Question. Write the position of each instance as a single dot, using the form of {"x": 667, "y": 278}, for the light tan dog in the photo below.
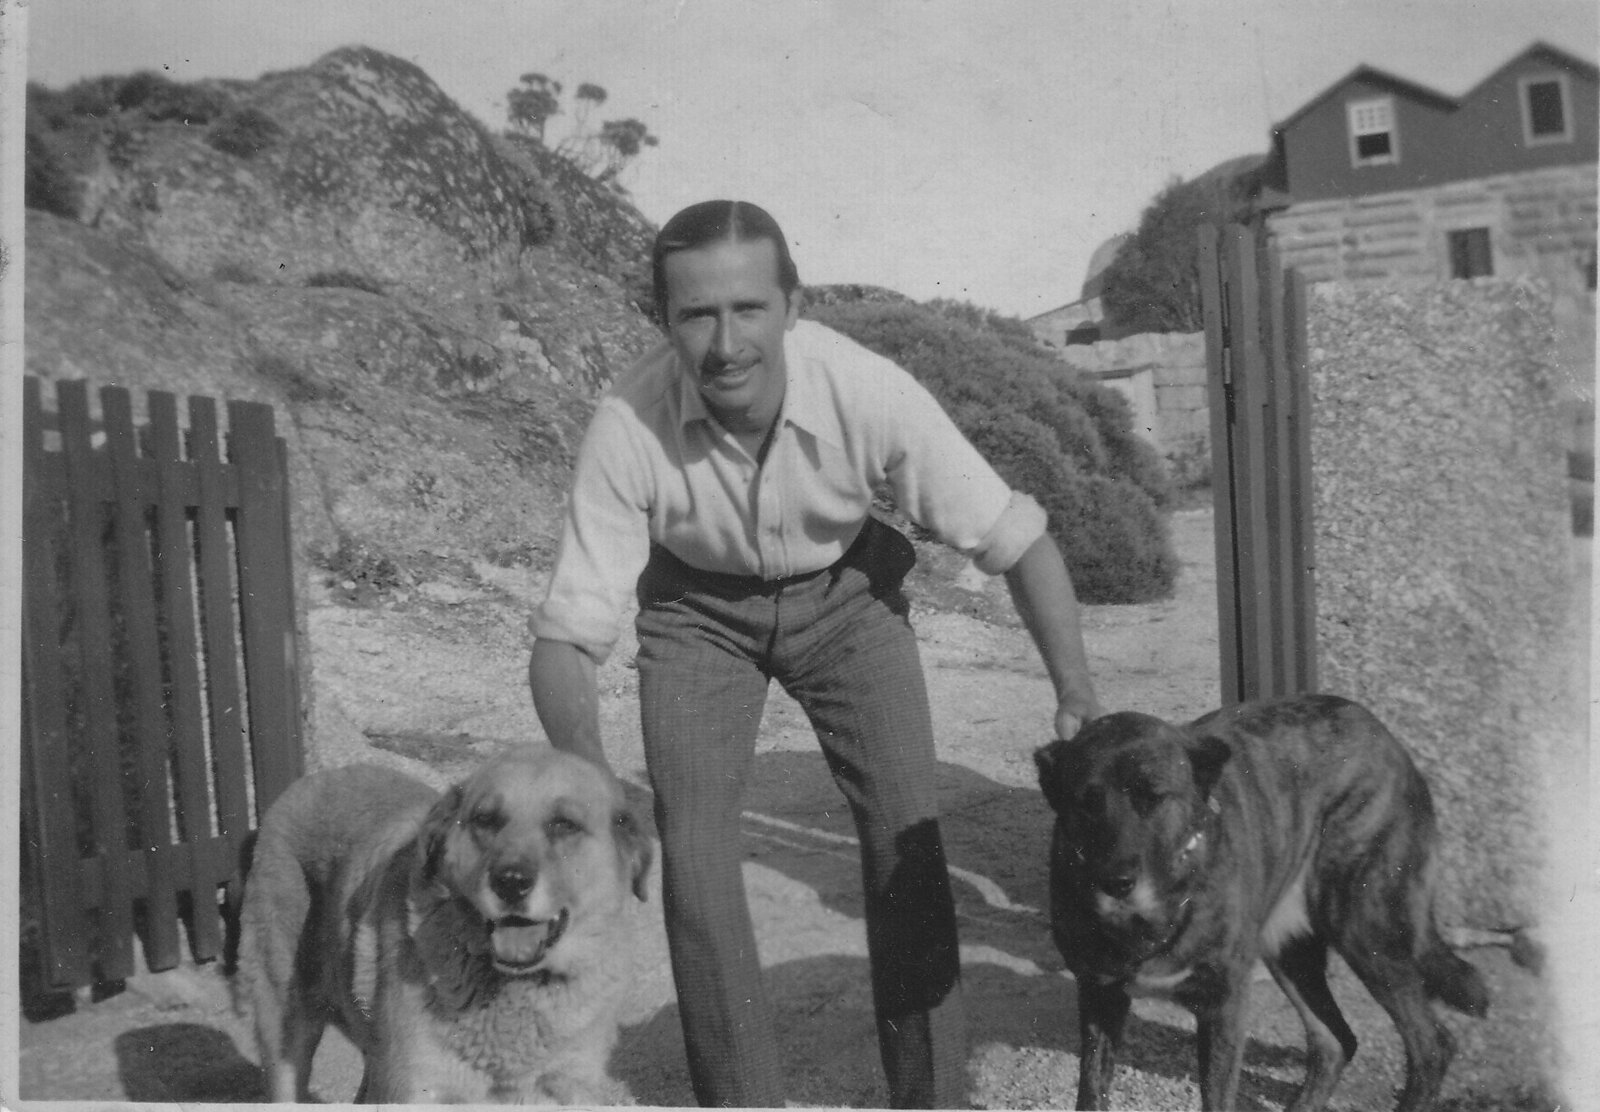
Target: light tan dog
{"x": 474, "y": 946}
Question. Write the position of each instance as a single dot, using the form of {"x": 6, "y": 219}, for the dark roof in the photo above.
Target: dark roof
{"x": 1372, "y": 75}
{"x": 1415, "y": 91}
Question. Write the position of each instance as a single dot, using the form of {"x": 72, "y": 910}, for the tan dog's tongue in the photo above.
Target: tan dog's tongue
{"x": 520, "y": 944}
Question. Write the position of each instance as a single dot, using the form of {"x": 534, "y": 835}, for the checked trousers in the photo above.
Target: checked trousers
{"x": 839, "y": 642}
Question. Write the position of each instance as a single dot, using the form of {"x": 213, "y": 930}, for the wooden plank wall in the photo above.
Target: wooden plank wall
{"x": 1261, "y": 466}
{"x": 160, "y": 687}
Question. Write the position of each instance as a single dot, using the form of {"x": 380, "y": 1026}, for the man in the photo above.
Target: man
{"x": 727, "y": 480}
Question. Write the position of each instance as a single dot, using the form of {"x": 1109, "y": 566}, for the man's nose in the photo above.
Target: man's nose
{"x": 723, "y": 342}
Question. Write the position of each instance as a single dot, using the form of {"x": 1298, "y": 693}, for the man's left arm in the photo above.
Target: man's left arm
{"x": 1041, "y": 589}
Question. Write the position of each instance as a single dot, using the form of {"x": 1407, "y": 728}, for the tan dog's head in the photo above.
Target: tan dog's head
{"x": 542, "y": 848}
{"x": 1133, "y": 802}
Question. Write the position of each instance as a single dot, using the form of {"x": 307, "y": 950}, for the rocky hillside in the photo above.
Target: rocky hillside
{"x": 429, "y": 306}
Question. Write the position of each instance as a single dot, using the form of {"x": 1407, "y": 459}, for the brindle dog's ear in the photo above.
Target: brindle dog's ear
{"x": 441, "y": 819}
{"x": 635, "y": 849}
{"x": 1058, "y": 767}
{"x": 1207, "y": 754}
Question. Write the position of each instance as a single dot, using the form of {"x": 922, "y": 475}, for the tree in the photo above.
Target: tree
{"x": 622, "y": 141}
{"x": 1153, "y": 284}
{"x": 530, "y": 105}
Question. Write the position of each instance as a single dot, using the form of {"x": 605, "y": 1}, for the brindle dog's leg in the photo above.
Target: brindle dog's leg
{"x": 1220, "y": 1027}
{"x": 1102, "y": 1011}
{"x": 1301, "y": 970}
{"x": 1396, "y": 983}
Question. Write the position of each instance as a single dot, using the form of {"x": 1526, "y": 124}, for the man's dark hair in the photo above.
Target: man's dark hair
{"x": 709, "y": 222}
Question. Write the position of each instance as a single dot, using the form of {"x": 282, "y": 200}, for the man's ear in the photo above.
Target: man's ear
{"x": 796, "y": 298}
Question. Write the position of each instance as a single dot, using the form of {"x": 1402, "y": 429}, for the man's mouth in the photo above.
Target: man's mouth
{"x": 518, "y": 945}
{"x": 726, "y": 375}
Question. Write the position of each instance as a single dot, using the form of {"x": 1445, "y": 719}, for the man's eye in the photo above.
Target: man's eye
{"x": 487, "y": 819}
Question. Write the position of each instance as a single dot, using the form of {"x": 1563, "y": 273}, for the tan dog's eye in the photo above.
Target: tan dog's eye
{"x": 561, "y": 827}
{"x": 487, "y": 819}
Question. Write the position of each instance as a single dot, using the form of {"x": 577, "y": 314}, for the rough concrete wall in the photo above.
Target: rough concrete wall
{"x": 1444, "y": 562}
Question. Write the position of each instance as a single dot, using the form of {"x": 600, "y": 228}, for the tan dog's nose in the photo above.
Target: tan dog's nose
{"x": 511, "y": 882}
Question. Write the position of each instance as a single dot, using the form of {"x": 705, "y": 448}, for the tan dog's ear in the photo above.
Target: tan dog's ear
{"x": 442, "y": 817}
{"x": 634, "y": 850}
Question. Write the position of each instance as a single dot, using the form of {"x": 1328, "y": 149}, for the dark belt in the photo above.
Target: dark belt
{"x": 663, "y": 560}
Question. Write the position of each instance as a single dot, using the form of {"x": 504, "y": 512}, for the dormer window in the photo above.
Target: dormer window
{"x": 1373, "y": 141}
{"x": 1545, "y": 118}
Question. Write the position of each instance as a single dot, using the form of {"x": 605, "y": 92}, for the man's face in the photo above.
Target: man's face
{"x": 726, "y": 316}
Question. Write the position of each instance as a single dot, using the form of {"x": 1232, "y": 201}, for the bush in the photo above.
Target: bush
{"x": 46, "y": 183}
{"x": 1069, "y": 444}
{"x": 244, "y": 133}
{"x": 1113, "y": 539}
{"x": 1129, "y": 453}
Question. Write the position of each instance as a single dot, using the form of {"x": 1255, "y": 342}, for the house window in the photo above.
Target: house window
{"x": 1470, "y": 255}
{"x": 1373, "y": 141}
{"x": 1544, "y": 110}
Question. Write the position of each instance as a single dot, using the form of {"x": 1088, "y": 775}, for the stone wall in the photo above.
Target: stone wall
{"x": 1444, "y": 562}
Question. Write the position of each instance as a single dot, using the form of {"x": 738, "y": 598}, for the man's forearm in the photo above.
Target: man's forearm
{"x": 1041, "y": 589}
{"x": 566, "y": 697}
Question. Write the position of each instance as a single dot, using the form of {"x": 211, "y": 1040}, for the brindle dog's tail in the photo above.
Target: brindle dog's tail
{"x": 1454, "y": 982}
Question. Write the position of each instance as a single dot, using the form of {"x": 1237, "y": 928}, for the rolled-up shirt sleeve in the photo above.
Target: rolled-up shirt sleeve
{"x": 944, "y": 484}
{"x": 605, "y": 541}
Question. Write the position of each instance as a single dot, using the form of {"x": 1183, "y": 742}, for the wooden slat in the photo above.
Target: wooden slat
{"x": 136, "y": 580}
{"x": 114, "y": 937}
{"x": 1249, "y": 374}
{"x": 1279, "y": 466}
{"x": 1219, "y": 393}
{"x": 192, "y": 772}
{"x": 266, "y": 602}
{"x": 224, "y": 702}
{"x": 1302, "y": 525}
{"x": 46, "y": 749}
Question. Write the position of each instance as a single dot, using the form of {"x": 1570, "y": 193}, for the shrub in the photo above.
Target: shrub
{"x": 1069, "y": 444}
{"x": 1129, "y": 453}
{"x": 47, "y": 185}
{"x": 1114, "y": 541}
{"x": 244, "y": 133}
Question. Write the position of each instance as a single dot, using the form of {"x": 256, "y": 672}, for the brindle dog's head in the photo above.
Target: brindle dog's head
{"x": 536, "y": 852}
{"x": 1134, "y": 811}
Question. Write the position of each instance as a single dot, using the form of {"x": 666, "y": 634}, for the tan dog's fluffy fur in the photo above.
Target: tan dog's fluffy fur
{"x": 474, "y": 946}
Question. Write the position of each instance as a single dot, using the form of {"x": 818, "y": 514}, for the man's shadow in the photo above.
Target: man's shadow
{"x": 1015, "y": 990}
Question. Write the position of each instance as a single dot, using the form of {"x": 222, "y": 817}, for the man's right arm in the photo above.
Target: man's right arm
{"x": 567, "y": 698}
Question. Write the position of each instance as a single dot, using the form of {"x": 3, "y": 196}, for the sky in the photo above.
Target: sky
{"x": 971, "y": 149}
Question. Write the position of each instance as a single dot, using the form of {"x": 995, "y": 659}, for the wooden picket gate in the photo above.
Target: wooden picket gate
{"x": 160, "y": 696}
{"x": 1261, "y": 465}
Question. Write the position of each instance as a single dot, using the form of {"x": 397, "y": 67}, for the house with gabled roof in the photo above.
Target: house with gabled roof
{"x": 1381, "y": 178}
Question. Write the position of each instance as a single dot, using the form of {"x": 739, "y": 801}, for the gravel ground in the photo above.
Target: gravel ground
{"x": 174, "y": 1038}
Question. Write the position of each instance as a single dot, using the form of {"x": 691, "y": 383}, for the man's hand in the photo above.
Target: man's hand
{"x": 1073, "y": 715}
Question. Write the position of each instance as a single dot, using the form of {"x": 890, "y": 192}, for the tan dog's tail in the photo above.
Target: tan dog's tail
{"x": 272, "y": 917}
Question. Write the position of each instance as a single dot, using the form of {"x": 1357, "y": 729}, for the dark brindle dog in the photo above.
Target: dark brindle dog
{"x": 1268, "y": 830}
